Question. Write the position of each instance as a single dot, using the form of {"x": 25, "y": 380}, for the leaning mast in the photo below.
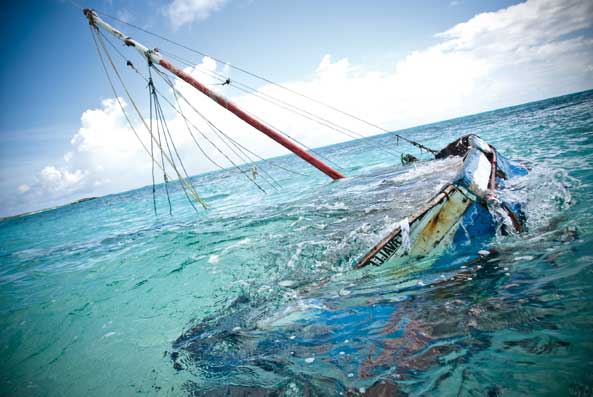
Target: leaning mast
{"x": 153, "y": 57}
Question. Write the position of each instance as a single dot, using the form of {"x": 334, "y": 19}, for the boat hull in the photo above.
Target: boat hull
{"x": 461, "y": 213}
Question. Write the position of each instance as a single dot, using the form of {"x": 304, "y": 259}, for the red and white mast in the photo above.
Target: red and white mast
{"x": 155, "y": 58}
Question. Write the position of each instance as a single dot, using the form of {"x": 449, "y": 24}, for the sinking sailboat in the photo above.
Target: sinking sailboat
{"x": 463, "y": 210}
{"x": 469, "y": 207}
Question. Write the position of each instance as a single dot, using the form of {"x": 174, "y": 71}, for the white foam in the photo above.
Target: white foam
{"x": 523, "y": 258}
{"x": 405, "y": 233}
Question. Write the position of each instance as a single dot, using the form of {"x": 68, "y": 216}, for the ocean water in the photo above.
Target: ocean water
{"x": 257, "y": 295}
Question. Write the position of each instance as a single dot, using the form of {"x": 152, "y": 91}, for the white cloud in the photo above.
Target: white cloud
{"x": 124, "y": 15}
{"x": 528, "y": 23}
{"x": 182, "y": 12}
{"x": 525, "y": 52}
{"x": 62, "y": 180}
{"x": 105, "y": 157}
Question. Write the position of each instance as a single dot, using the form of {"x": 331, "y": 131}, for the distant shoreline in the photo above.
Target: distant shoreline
{"x": 5, "y": 218}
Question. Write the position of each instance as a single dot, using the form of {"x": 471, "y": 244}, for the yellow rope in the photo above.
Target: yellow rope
{"x": 122, "y": 107}
{"x": 171, "y": 163}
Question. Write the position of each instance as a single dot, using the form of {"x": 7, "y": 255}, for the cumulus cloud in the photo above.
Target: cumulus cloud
{"x": 182, "y": 12}
{"x": 518, "y": 28}
{"x": 525, "y": 52}
{"x": 53, "y": 179}
{"x": 105, "y": 157}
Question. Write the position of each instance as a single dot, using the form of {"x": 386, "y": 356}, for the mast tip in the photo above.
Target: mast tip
{"x": 89, "y": 13}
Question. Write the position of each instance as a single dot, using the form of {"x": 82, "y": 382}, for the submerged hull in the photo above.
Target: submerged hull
{"x": 461, "y": 211}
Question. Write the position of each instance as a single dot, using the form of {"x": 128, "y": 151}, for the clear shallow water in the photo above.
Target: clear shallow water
{"x": 103, "y": 298}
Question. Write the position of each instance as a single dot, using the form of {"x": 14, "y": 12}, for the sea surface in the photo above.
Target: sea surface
{"x": 257, "y": 295}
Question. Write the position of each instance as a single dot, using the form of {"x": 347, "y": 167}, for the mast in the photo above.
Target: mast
{"x": 152, "y": 56}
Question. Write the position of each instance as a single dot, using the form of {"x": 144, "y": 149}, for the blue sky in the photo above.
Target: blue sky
{"x": 52, "y": 76}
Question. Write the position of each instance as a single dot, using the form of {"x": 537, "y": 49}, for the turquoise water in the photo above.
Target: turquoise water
{"x": 257, "y": 294}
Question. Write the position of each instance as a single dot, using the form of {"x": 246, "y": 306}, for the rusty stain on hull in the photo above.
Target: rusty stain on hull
{"x": 436, "y": 223}
{"x": 390, "y": 244}
{"x": 445, "y": 221}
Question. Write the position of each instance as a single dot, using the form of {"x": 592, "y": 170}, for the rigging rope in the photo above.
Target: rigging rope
{"x": 165, "y": 128}
{"x": 148, "y": 81}
{"x": 186, "y": 121}
{"x": 117, "y": 97}
{"x": 302, "y": 112}
{"x": 151, "y": 155}
{"x": 217, "y": 130}
{"x": 352, "y": 116}
{"x": 277, "y": 130}
{"x": 182, "y": 181}
{"x": 212, "y": 126}
{"x": 278, "y": 102}
{"x": 259, "y": 119}
{"x": 204, "y": 135}
{"x": 158, "y": 131}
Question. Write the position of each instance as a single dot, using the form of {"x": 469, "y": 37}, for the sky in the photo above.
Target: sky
{"x": 63, "y": 136}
